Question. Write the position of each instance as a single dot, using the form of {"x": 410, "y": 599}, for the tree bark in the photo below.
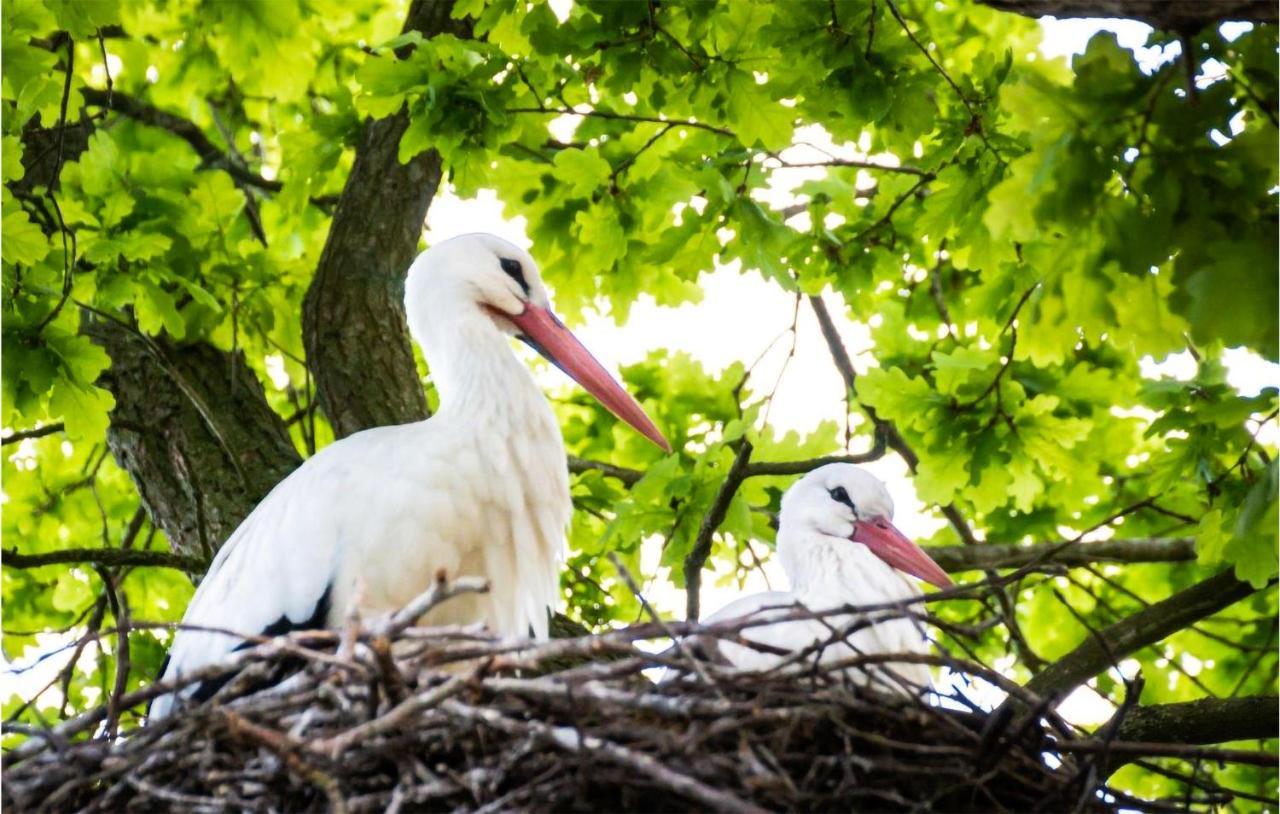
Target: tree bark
{"x": 192, "y": 427}
{"x": 353, "y": 318}
{"x": 1209, "y": 720}
{"x": 981, "y": 557}
{"x": 1182, "y": 16}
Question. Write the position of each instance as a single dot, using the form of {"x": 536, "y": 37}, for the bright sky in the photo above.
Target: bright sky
{"x": 749, "y": 314}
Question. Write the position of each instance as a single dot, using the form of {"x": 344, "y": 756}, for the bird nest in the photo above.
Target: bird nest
{"x": 387, "y": 716}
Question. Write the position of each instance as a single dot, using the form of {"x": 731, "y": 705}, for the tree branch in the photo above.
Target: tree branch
{"x": 777, "y": 468}
{"x": 1132, "y": 749}
{"x": 1209, "y": 720}
{"x": 106, "y": 557}
{"x": 1148, "y": 626}
{"x": 184, "y": 129}
{"x": 697, "y": 556}
{"x": 38, "y": 432}
{"x": 988, "y": 555}
{"x": 629, "y": 477}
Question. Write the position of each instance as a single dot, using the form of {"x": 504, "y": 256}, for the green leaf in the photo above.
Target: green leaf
{"x": 942, "y": 474}
{"x": 897, "y": 397}
{"x": 583, "y": 171}
{"x": 158, "y": 311}
{"x": 21, "y": 241}
{"x": 755, "y": 117}
{"x": 82, "y": 408}
{"x": 11, "y": 159}
{"x": 83, "y": 18}
{"x": 1252, "y": 547}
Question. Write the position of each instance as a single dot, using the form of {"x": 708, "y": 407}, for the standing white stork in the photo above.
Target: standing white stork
{"x": 479, "y": 489}
{"x": 838, "y": 547}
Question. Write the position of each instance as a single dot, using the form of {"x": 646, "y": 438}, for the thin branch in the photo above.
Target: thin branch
{"x": 715, "y": 515}
{"x": 68, "y": 250}
{"x": 38, "y": 432}
{"x": 759, "y": 468}
{"x": 579, "y": 466}
{"x": 105, "y": 557}
{"x": 862, "y": 165}
{"x": 1130, "y": 748}
{"x": 624, "y": 117}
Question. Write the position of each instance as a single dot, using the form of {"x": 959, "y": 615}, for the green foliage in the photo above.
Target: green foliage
{"x": 1054, "y": 225}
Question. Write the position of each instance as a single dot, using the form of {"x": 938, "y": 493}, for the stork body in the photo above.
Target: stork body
{"x": 479, "y": 489}
{"x": 838, "y": 547}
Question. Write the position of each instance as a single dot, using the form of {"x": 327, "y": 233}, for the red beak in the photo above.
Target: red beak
{"x": 892, "y": 546}
{"x": 548, "y": 336}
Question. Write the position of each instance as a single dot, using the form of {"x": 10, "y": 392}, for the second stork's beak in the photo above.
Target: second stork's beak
{"x": 547, "y": 335}
{"x": 886, "y": 542}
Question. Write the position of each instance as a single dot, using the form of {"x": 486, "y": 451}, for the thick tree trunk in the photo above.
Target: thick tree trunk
{"x": 353, "y": 319}
{"x": 193, "y": 429}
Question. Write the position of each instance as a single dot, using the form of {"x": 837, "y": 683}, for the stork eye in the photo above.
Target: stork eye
{"x": 839, "y": 495}
{"x": 515, "y": 271}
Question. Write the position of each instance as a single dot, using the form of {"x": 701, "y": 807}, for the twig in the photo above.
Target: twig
{"x": 570, "y": 740}
{"x": 38, "y": 432}
{"x": 107, "y": 557}
{"x": 697, "y": 556}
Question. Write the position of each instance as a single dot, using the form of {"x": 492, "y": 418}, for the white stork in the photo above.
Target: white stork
{"x": 479, "y": 489}
{"x": 837, "y": 547}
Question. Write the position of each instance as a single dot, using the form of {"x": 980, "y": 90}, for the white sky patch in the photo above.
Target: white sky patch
{"x": 1085, "y": 707}
{"x": 563, "y": 127}
{"x": 113, "y": 65}
{"x": 1065, "y": 38}
{"x": 274, "y": 365}
{"x": 560, "y": 8}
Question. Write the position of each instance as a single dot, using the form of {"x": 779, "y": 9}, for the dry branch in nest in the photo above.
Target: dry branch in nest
{"x": 391, "y": 717}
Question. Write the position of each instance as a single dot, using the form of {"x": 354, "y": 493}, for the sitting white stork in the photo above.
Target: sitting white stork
{"x": 479, "y": 489}
{"x": 837, "y": 547}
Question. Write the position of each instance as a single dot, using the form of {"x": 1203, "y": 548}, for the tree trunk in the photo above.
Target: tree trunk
{"x": 353, "y": 318}
{"x": 193, "y": 429}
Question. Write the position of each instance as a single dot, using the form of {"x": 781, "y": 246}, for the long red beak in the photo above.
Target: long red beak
{"x": 549, "y": 337}
{"x": 892, "y": 546}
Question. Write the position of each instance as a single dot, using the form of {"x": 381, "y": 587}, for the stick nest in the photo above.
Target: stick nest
{"x": 394, "y": 717}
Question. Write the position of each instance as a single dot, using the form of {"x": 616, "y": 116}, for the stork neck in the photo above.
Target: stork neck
{"x": 832, "y": 570}
{"x": 475, "y": 371}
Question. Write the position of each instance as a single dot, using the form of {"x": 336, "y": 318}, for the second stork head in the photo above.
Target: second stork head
{"x": 841, "y": 505}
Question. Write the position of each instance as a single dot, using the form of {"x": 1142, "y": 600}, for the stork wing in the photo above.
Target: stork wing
{"x": 272, "y": 575}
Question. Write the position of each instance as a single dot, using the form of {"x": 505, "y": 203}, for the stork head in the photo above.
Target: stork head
{"x": 482, "y": 280}
{"x": 846, "y": 505}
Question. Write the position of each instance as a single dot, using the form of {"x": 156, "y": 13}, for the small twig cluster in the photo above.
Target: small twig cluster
{"x": 383, "y": 715}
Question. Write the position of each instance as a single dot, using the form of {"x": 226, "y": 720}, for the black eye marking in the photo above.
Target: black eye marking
{"x": 839, "y": 495}
{"x": 515, "y": 271}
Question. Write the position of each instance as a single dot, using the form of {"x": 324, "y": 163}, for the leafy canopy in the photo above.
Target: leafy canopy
{"x": 1021, "y": 234}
